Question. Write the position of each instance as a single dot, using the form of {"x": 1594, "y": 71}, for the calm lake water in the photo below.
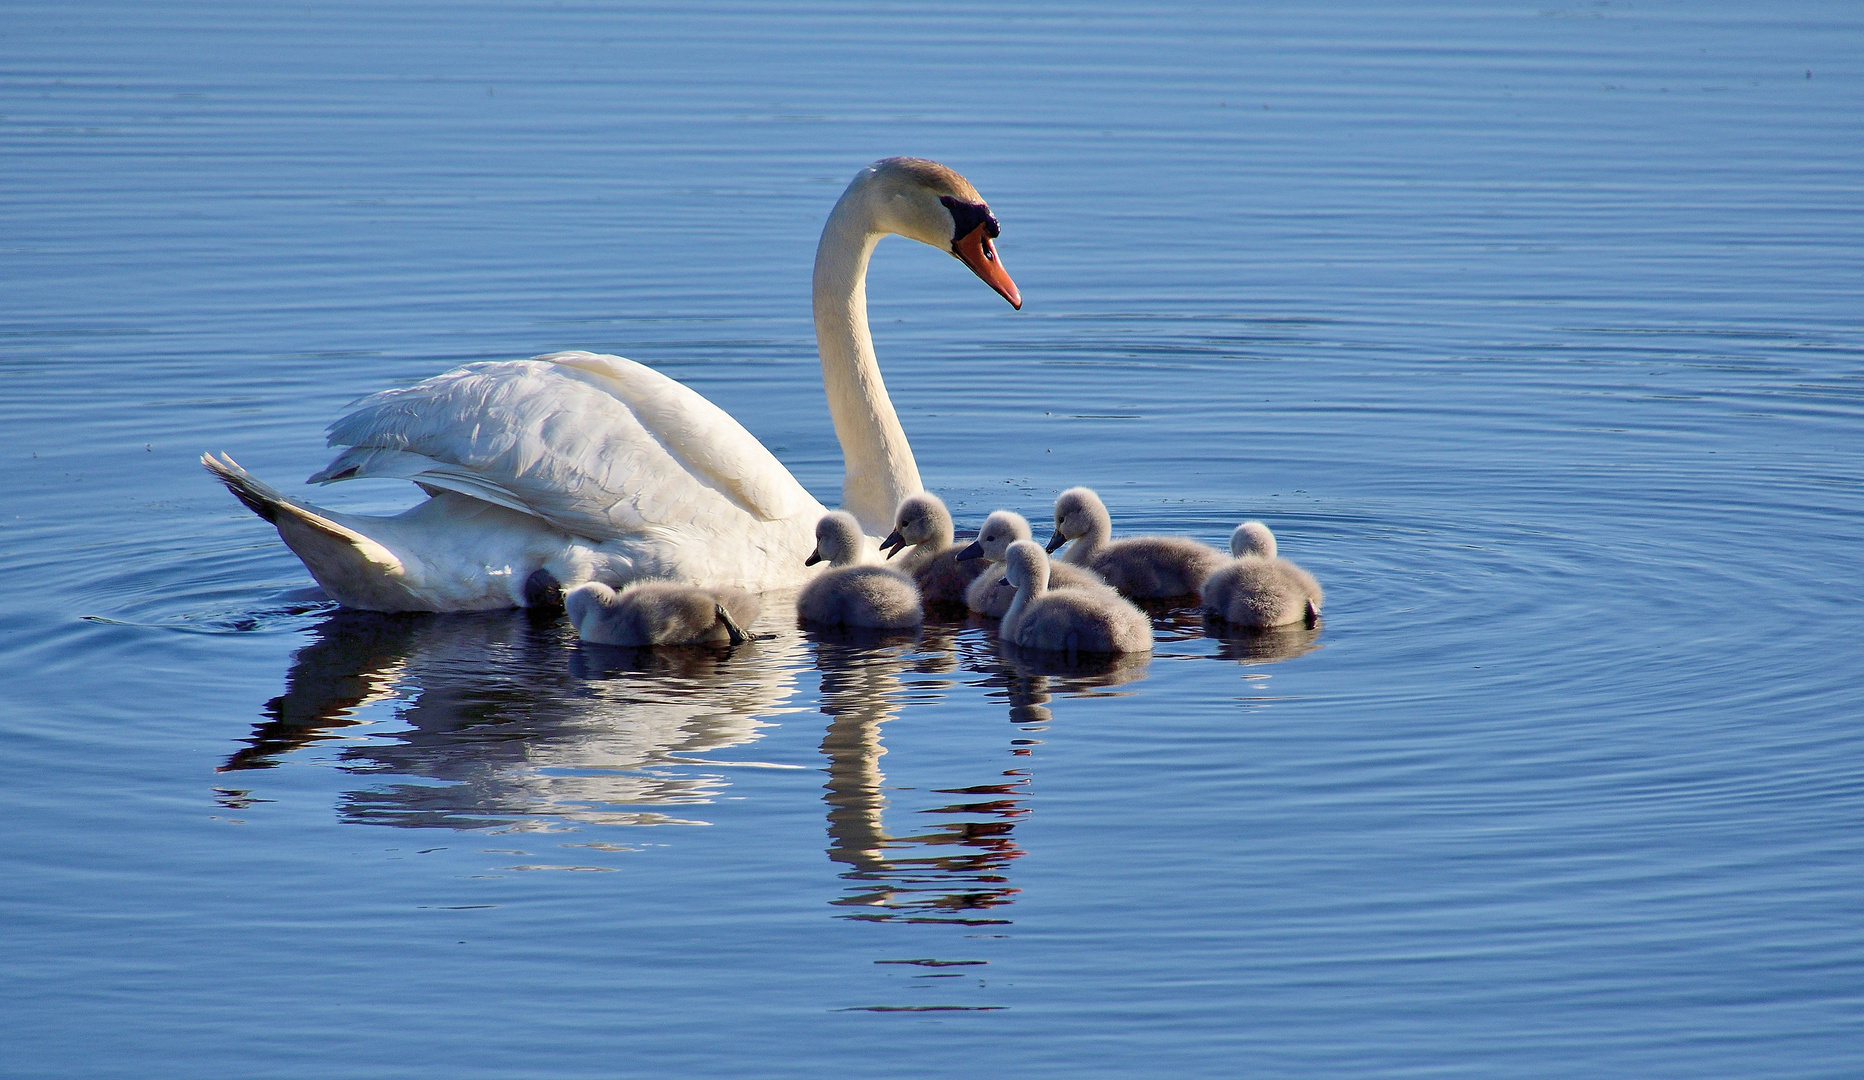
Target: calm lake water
{"x": 1534, "y": 331}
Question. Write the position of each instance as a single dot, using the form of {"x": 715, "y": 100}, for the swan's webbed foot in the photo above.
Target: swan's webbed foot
{"x": 732, "y": 630}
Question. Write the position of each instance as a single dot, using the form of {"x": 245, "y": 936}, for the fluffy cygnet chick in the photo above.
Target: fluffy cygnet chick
{"x": 942, "y": 577}
{"x": 990, "y": 594}
{"x": 1258, "y": 589}
{"x": 660, "y": 613}
{"x": 1067, "y": 620}
{"x": 850, "y": 595}
{"x": 1142, "y": 567}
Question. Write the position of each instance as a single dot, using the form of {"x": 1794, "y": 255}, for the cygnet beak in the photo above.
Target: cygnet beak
{"x": 978, "y": 253}
{"x": 1056, "y": 541}
{"x": 894, "y": 541}
{"x": 975, "y": 551}
{"x": 814, "y": 557}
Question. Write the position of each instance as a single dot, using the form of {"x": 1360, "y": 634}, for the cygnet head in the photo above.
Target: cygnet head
{"x": 1077, "y": 511}
{"x": 920, "y": 519}
{"x": 1252, "y": 538}
{"x": 837, "y": 539}
{"x": 1026, "y": 565}
{"x": 929, "y": 202}
{"x": 1001, "y": 529}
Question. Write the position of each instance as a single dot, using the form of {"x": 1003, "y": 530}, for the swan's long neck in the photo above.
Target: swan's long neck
{"x": 880, "y": 470}
{"x": 1036, "y": 586}
{"x": 1099, "y": 533}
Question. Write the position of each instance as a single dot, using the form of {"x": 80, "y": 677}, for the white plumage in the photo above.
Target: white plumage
{"x": 575, "y": 466}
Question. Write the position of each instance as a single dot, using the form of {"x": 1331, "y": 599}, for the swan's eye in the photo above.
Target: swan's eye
{"x": 968, "y": 217}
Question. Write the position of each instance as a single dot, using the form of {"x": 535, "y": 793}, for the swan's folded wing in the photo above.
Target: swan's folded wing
{"x": 596, "y": 445}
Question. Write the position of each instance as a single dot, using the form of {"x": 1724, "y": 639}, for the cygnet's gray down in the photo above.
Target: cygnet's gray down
{"x": 847, "y": 594}
{"x": 933, "y": 561}
{"x": 1257, "y": 588}
{"x": 660, "y": 613}
{"x": 1142, "y": 567}
{"x": 1067, "y": 620}
{"x": 990, "y": 594}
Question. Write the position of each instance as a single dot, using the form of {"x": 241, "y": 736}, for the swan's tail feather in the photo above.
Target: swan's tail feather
{"x": 259, "y": 497}
{"x": 351, "y": 567}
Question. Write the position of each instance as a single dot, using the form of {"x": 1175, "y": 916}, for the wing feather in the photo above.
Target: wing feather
{"x": 596, "y": 445}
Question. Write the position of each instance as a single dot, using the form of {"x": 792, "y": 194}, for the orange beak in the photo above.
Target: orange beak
{"x": 980, "y": 255}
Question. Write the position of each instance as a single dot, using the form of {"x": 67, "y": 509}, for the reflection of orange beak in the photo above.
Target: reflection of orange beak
{"x": 978, "y": 254}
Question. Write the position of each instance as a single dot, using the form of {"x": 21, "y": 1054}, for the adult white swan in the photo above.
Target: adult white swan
{"x": 546, "y": 473}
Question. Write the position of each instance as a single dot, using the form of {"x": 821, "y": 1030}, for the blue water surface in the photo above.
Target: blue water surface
{"x": 1534, "y": 332}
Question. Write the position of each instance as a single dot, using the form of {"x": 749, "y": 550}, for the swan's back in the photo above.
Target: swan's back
{"x": 850, "y": 594}
{"x": 1155, "y": 567}
{"x": 945, "y": 581}
{"x": 596, "y": 447}
{"x": 871, "y": 596}
{"x": 1067, "y": 620}
{"x": 1259, "y": 592}
{"x": 659, "y": 613}
{"x": 1084, "y": 620}
{"x": 991, "y": 595}
{"x": 1142, "y": 567}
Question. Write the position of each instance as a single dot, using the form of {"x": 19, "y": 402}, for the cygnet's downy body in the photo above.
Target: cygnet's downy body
{"x": 1142, "y": 567}
{"x": 1067, "y": 620}
{"x": 923, "y": 522}
{"x": 1257, "y": 588}
{"x": 660, "y": 613}
{"x": 848, "y": 594}
{"x": 990, "y": 594}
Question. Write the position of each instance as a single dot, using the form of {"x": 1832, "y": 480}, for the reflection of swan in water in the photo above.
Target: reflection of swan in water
{"x": 508, "y": 721}
{"x": 1032, "y": 677}
{"x": 1263, "y": 646}
{"x": 953, "y": 873}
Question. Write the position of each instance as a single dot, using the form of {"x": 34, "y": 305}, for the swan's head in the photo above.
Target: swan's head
{"x": 1077, "y": 511}
{"x": 837, "y": 540}
{"x": 1001, "y": 529}
{"x": 1025, "y": 565}
{"x": 1252, "y": 538}
{"x": 921, "y": 519}
{"x": 932, "y": 204}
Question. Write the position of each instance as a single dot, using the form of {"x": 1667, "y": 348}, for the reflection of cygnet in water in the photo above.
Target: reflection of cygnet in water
{"x": 990, "y": 594}
{"x": 933, "y": 562}
{"x": 851, "y": 595}
{"x": 1142, "y": 567}
{"x": 1266, "y": 645}
{"x": 1257, "y": 588}
{"x": 659, "y": 613}
{"x": 1067, "y": 620}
